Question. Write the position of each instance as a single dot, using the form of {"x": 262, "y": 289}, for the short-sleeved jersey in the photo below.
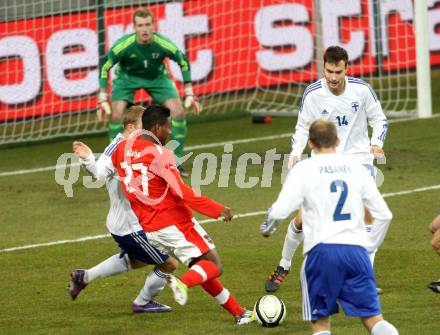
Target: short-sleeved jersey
{"x": 351, "y": 112}
{"x": 144, "y": 61}
{"x": 154, "y": 188}
{"x": 332, "y": 191}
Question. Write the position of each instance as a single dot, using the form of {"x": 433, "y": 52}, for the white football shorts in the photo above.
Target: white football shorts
{"x": 184, "y": 241}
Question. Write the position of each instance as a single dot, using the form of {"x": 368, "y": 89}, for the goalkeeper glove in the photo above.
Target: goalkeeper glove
{"x": 103, "y": 106}
{"x": 191, "y": 101}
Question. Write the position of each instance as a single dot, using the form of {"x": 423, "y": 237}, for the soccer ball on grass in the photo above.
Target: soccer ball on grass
{"x": 270, "y": 311}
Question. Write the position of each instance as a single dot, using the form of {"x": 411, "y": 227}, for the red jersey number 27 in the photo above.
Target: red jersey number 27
{"x": 129, "y": 176}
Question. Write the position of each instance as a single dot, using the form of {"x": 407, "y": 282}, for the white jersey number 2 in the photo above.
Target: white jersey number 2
{"x": 337, "y": 214}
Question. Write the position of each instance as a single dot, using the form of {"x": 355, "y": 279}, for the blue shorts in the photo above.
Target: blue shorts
{"x": 340, "y": 273}
{"x": 372, "y": 169}
{"x": 136, "y": 245}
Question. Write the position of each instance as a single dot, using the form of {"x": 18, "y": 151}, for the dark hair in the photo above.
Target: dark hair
{"x": 335, "y": 54}
{"x": 323, "y": 134}
{"x": 154, "y": 115}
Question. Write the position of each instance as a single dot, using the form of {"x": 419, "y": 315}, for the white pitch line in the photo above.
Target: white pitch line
{"x": 244, "y": 140}
{"x": 43, "y": 169}
{"x": 194, "y": 147}
{"x": 237, "y": 216}
{"x": 32, "y": 246}
{"x": 97, "y": 237}
{"x": 421, "y": 189}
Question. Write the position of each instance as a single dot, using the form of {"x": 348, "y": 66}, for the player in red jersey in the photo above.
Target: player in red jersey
{"x": 164, "y": 204}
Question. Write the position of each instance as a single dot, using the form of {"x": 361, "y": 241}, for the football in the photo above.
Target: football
{"x": 270, "y": 311}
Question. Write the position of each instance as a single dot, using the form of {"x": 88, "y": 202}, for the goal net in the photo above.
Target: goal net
{"x": 246, "y": 56}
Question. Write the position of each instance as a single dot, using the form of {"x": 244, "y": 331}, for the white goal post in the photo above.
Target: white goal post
{"x": 424, "y": 98}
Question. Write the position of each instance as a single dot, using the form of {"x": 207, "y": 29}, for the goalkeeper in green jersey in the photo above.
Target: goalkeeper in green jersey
{"x": 140, "y": 58}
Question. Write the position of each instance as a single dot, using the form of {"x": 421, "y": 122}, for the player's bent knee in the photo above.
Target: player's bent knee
{"x": 219, "y": 267}
{"x": 210, "y": 256}
{"x": 169, "y": 266}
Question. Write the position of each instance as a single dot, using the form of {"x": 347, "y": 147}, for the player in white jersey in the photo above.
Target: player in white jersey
{"x": 351, "y": 104}
{"x": 125, "y": 229}
{"x": 332, "y": 190}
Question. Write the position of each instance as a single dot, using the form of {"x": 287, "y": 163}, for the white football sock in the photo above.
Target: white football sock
{"x": 111, "y": 266}
{"x": 293, "y": 239}
{"x": 154, "y": 284}
{"x": 325, "y": 332}
{"x": 384, "y": 328}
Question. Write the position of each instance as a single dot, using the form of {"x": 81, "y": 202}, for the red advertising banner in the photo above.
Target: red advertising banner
{"x": 49, "y": 65}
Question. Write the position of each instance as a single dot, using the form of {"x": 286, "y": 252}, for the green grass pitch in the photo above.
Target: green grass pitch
{"x": 36, "y": 210}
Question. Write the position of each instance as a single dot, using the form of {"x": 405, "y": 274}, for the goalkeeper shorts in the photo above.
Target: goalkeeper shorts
{"x": 160, "y": 89}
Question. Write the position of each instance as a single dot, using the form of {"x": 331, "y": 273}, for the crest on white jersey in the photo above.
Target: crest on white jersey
{"x": 355, "y": 106}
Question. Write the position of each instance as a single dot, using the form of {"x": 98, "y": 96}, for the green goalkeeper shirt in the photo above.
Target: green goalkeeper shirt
{"x": 144, "y": 61}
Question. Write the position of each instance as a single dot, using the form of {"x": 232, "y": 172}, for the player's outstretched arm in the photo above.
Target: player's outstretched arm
{"x": 110, "y": 59}
{"x": 100, "y": 169}
{"x": 203, "y": 204}
{"x": 289, "y": 200}
{"x": 379, "y": 210}
{"x": 86, "y": 157}
{"x": 291, "y": 196}
{"x": 81, "y": 150}
{"x": 190, "y": 100}
{"x": 164, "y": 166}
{"x": 378, "y": 121}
